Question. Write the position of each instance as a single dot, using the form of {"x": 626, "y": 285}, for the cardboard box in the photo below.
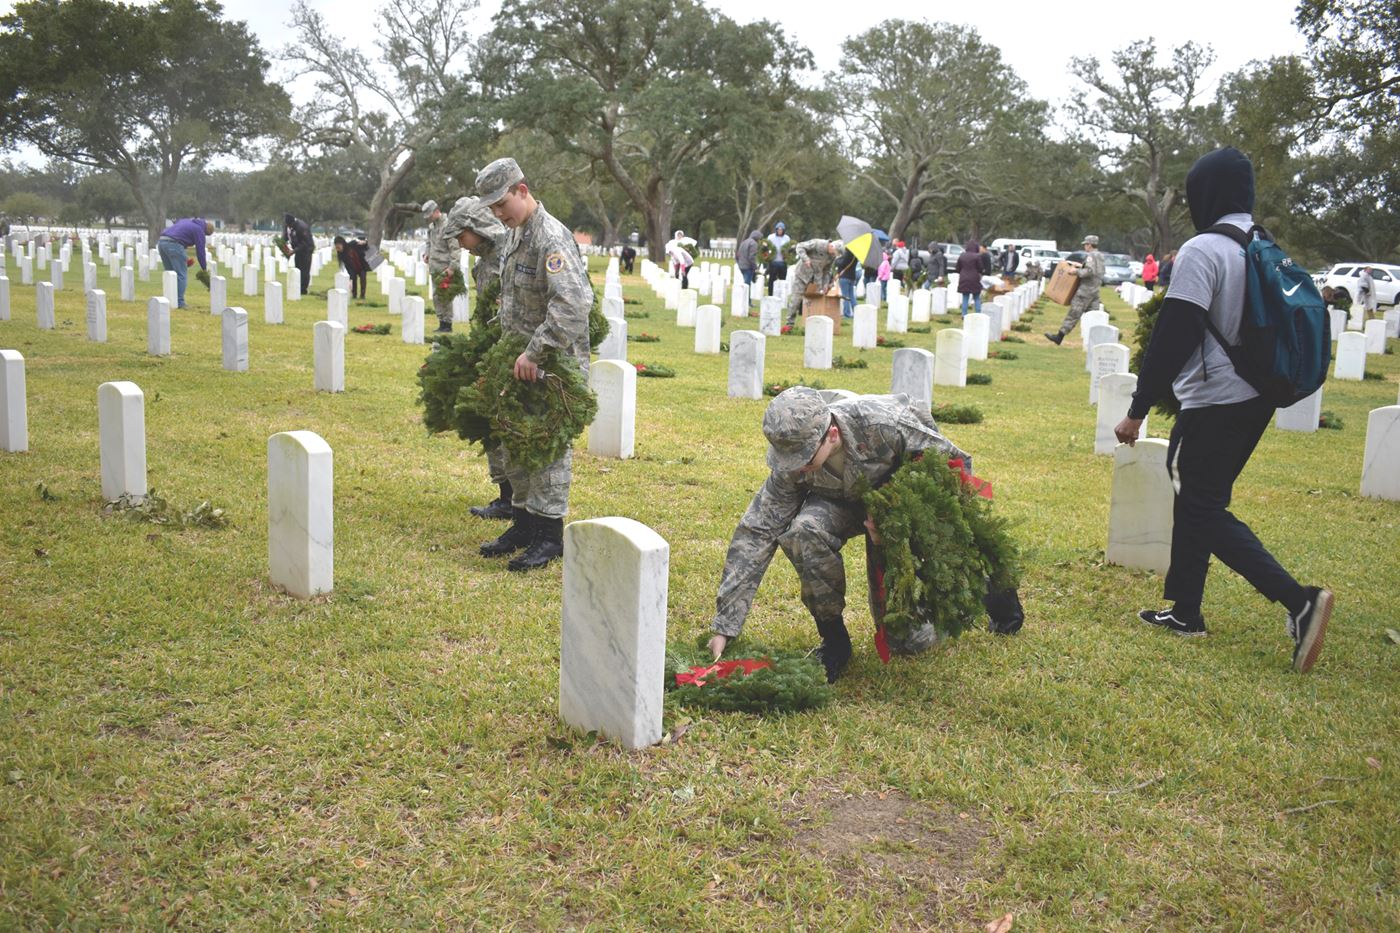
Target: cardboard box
{"x": 814, "y": 303}
{"x": 1063, "y": 283}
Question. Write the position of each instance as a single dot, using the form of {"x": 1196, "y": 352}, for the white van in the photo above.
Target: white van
{"x": 1021, "y": 244}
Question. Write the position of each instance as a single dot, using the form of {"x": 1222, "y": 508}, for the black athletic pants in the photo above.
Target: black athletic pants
{"x": 1209, "y": 448}
{"x": 302, "y": 260}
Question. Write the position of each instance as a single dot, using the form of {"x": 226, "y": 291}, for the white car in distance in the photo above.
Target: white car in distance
{"x": 1344, "y": 277}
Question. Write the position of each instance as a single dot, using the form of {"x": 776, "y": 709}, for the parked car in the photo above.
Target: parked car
{"x": 1115, "y": 267}
{"x": 1343, "y": 277}
{"x": 1136, "y": 267}
{"x": 1048, "y": 258}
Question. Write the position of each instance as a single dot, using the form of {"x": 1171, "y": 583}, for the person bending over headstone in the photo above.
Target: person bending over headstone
{"x": 351, "y": 254}
{"x": 815, "y": 265}
{"x": 173, "y": 242}
{"x": 628, "y": 258}
{"x": 545, "y": 296}
{"x": 443, "y": 254}
{"x": 821, "y": 455}
{"x": 1222, "y": 416}
{"x": 474, "y": 228}
{"x": 302, "y": 244}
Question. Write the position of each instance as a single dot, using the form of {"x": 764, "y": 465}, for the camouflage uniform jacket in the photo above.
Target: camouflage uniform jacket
{"x": 486, "y": 265}
{"x": 545, "y": 292}
{"x": 1091, "y": 273}
{"x": 877, "y": 433}
{"x": 443, "y": 253}
{"x": 812, "y": 256}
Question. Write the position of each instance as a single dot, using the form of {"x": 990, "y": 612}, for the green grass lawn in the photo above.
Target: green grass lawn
{"x": 182, "y": 745}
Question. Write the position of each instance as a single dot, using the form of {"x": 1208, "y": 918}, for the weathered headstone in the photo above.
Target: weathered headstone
{"x": 950, "y": 358}
{"x": 1302, "y": 415}
{"x": 300, "y": 520}
{"x": 170, "y": 288}
{"x": 158, "y": 327}
{"x": 43, "y": 305}
{"x": 1392, "y": 323}
{"x": 816, "y": 343}
{"x": 912, "y": 375}
{"x": 897, "y": 315}
{"x": 396, "y": 295}
{"x": 686, "y": 303}
{"x": 97, "y": 315}
{"x": 1338, "y": 320}
{"x": 976, "y": 328}
{"x": 1093, "y": 336}
{"x": 413, "y": 310}
{"x": 1140, "y": 511}
{"x": 14, "y": 415}
{"x": 863, "y": 332}
{"x": 1115, "y": 395}
{"x": 218, "y": 294}
{"x": 338, "y": 306}
{"x": 614, "y": 307}
{"x": 1380, "y": 469}
{"x": 1107, "y": 358}
{"x": 770, "y": 316}
{"x": 613, "y": 431}
{"x": 920, "y": 303}
{"x": 128, "y": 284}
{"x": 1375, "y": 336}
{"x": 614, "y": 345}
{"x": 1351, "y": 356}
{"x": 328, "y": 344}
{"x": 121, "y": 428}
{"x": 234, "y": 329}
{"x": 1090, "y": 319}
{"x": 707, "y": 331}
{"x": 739, "y": 301}
{"x": 746, "y": 358}
{"x": 89, "y": 276}
{"x": 56, "y": 276}
{"x": 272, "y": 303}
{"x": 612, "y": 655}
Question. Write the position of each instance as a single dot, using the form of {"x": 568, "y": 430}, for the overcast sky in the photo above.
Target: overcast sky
{"x": 1037, "y": 39}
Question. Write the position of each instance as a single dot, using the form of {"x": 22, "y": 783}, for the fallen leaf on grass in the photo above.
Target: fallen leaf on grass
{"x": 676, "y": 734}
{"x": 1393, "y": 635}
{"x": 1002, "y": 924}
{"x": 1373, "y": 763}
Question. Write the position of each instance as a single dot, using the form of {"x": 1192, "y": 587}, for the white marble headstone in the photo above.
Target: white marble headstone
{"x": 300, "y": 521}
{"x": 338, "y": 306}
{"x": 614, "y": 307}
{"x": 158, "y": 327}
{"x": 770, "y": 316}
{"x": 746, "y": 359}
{"x": 328, "y": 344}
{"x": 1375, "y": 336}
{"x": 613, "y": 430}
{"x": 686, "y": 304}
{"x": 739, "y": 301}
{"x": 994, "y": 314}
{"x": 950, "y": 358}
{"x": 1302, "y": 415}
{"x": 272, "y": 303}
{"x": 1338, "y": 320}
{"x": 413, "y": 310}
{"x": 250, "y": 281}
{"x": 1090, "y": 319}
{"x": 1380, "y": 468}
{"x": 863, "y": 332}
{"x": 920, "y": 302}
{"x": 4, "y": 298}
{"x": 342, "y": 281}
{"x": 707, "y": 331}
{"x": 293, "y": 292}
{"x": 612, "y": 655}
{"x": 1140, "y": 511}
{"x": 121, "y": 427}
{"x": 1351, "y": 356}
{"x": 1093, "y": 336}
{"x": 56, "y": 276}
{"x": 128, "y": 284}
{"x": 97, "y": 315}
{"x": 912, "y": 375}
{"x": 170, "y": 288}
{"x": 43, "y": 305}
{"x": 396, "y": 295}
{"x": 14, "y": 416}
{"x": 614, "y": 345}
{"x": 816, "y": 343}
{"x": 1107, "y": 358}
{"x": 897, "y": 315}
{"x": 976, "y": 329}
{"x": 1115, "y": 396}
{"x": 234, "y": 330}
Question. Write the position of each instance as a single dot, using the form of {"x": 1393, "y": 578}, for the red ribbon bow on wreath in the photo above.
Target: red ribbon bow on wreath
{"x": 720, "y": 670}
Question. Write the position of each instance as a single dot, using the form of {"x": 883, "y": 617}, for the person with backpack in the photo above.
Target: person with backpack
{"x": 1201, "y": 350}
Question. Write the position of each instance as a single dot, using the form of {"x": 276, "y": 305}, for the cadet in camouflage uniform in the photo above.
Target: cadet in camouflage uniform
{"x": 443, "y": 254}
{"x": 809, "y": 506}
{"x": 815, "y": 262}
{"x": 475, "y": 229}
{"x": 545, "y": 296}
{"x": 1087, "y": 294}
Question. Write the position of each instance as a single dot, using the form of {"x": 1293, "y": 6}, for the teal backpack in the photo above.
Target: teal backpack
{"x": 1285, "y": 337}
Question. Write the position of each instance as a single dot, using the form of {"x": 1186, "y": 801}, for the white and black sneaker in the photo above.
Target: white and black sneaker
{"x": 1170, "y": 620}
{"x": 1308, "y": 627}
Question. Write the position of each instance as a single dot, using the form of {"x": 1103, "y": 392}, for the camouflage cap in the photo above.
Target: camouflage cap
{"x": 471, "y": 214}
{"x": 429, "y": 206}
{"x": 1091, "y": 240}
{"x": 794, "y": 424}
{"x": 495, "y": 180}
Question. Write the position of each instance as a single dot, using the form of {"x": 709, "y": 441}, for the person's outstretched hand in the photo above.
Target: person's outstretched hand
{"x": 1127, "y": 431}
{"x": 717, "y": 646}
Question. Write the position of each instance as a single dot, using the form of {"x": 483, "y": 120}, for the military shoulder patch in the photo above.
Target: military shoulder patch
{"x": 553, "y": 263}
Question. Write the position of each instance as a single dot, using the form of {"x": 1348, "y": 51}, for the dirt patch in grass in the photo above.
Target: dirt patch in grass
{"x": 888, "y": 841}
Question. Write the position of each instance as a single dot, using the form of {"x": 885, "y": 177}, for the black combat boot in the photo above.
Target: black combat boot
{"x": 444, "y": 328}
{"x": 500, "y": 509}
{"x": 835, "y": 650}
{"x": 517, "y": 536}
{"x": 548, "y": 545}
{"x": 1056, "y": 338}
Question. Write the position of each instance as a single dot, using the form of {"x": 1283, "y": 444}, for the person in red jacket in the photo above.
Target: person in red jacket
{"x": 1149, "y": 272}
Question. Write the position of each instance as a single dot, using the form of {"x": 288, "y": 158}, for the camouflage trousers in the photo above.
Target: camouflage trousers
{"x": 1083, "y": 300}
{"x": 544, "y": 492}
{"x": 797, "y": 289}
{"x": 442, "y": 305}
{"x": 496, "y": 465}
{"x": 813, "y": 543}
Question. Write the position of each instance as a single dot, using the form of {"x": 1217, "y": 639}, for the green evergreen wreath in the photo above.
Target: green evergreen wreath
{"x": 795, "y": 680}
{"x": 597, "y": 323}
{"x": 943, "y": 548}
{"x": 1147, "y": 320}
{"x": 455, "y": 363}
{"x": 534, "y": 421}
{"x": 765, "y": 251}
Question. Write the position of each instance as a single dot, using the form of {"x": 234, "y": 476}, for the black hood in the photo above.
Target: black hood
{"x": 1220, "y": 183}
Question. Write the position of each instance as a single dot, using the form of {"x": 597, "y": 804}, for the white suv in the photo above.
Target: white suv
{"x": 1343, "y": 276}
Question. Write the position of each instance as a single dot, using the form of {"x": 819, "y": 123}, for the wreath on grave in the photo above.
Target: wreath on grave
{"x": 957, "y": 414}
{"x": 1001, "y": 354}
{"x": 655, "y": 371}
{"x": 644, "y": 338}
{"x": 203, "y": 276}
{"x": 379, "y": 329}
{"x": 840, "y": 362}
{"x": 1147, "y": 319}
{"x": 778, "y": 388}
{"x": 535, "y": 421}
{"x": 764, "y": 682}
{"x": 889, "y": 343}
{"x": 979, "y": 379}
{"x": 942, "y": 547}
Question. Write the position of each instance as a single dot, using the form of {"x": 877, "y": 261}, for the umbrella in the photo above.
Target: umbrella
{"x": 859, "y": 239}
